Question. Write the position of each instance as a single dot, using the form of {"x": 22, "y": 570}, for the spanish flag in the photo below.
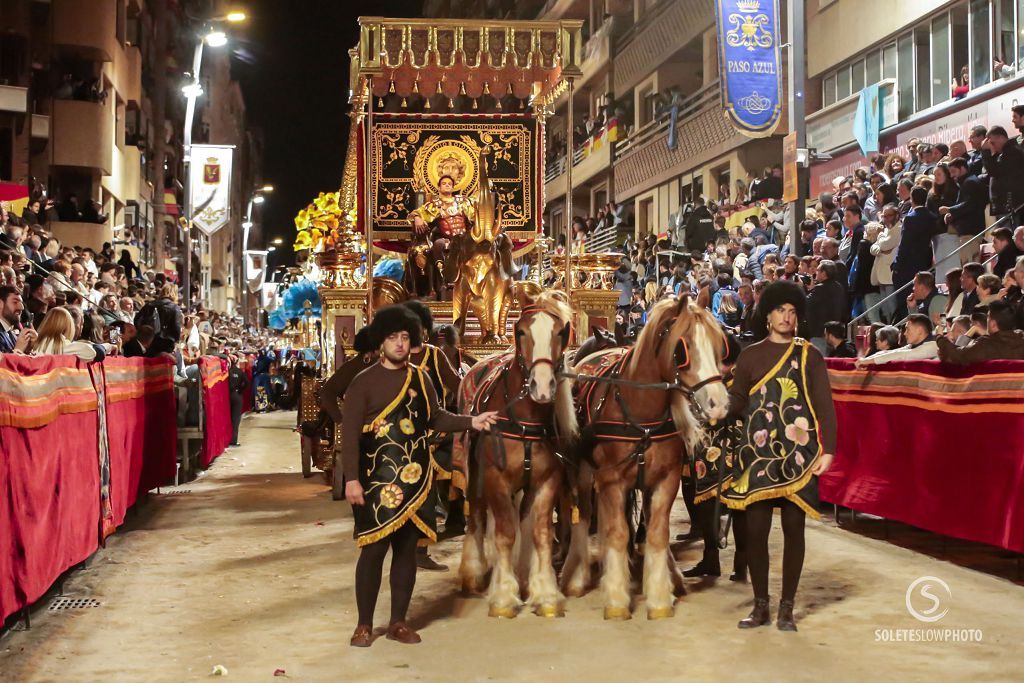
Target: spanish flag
{"x": 14, "y": 197}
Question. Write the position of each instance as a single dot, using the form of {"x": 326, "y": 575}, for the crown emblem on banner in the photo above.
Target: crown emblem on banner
{"x": 748, "y": 5}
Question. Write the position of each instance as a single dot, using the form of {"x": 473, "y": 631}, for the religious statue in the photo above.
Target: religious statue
{"x": 436, "y": 224}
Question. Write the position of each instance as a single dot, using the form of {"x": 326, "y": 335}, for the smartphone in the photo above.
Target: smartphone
{"x": 115, "y": 335}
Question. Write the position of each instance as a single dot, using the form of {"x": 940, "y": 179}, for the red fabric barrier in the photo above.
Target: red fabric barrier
{"x": 51, "y": 462}
{"x": 217, "y": 407}
{"x": 937, "y": 446}
{"x": 140, "y": 400}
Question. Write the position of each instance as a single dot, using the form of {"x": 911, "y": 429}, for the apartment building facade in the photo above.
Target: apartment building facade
{"x": 918, "y": 53}
{"x": 91, "y": 106}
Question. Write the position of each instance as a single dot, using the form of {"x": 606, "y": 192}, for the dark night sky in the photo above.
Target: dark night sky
{"x": 296, "y": 90}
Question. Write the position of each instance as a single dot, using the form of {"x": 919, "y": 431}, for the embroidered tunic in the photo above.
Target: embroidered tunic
{"x": 782, "y": 433}
{"x": 398, "y": 399}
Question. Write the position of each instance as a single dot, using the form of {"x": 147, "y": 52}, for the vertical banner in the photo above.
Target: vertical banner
{"x": 790, "y": 172}
{"x": 867, "y": 120}
{"x": 211, "y": 186}
{"x": 255, "y": 269}
{"x": 750, "y": 64}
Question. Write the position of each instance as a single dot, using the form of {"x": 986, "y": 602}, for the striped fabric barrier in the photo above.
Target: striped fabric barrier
{"x": 217, "y": 408}
{"x": 937, "y": 446}
{"x": 78, "y": 443}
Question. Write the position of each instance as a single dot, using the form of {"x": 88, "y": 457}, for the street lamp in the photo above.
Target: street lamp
{"x": 215, "y": 38}
{"x": 277, "y": 241}
{"x": 258, "y": 199}
{"x": 255, "y": 198}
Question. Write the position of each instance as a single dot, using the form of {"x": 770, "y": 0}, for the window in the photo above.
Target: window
{"x": 942, "y": 74}
{"x": 1006, "y": 48}
{"x": 857, "y": 77}
{"x": 829, "y": 90}
{"x": 922, "y": 72}
{"x": 843, "y": 83}
{"x": 905, "y": 75}
{"x": 1020, "y": 27}
{"x": 981, "y": 48}
{"x": 6, "y": 154}
{"x": 961, "y": 43}
{"x": 873, "y": 67}
{"x": 889, "y": 61}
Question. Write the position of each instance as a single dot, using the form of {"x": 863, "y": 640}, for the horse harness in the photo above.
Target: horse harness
{"x": 508, "y": 426}
{"x": 629, "y": 429}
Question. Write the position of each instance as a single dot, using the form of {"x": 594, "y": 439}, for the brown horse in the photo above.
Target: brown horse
{"x": 638, "y": 426}
{"x": 519, "y": 455}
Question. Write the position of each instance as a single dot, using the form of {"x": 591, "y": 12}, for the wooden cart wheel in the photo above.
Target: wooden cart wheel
{"x": 307, "y": 456}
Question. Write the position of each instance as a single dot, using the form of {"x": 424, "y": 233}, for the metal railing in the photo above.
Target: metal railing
{"x": 688, "y": 107}
{"x": 863, "y": 316}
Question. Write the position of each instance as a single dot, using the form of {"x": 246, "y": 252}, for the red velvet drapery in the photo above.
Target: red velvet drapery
{"x": 937, "y": 446}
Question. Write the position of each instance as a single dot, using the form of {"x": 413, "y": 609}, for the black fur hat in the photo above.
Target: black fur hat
{"x": 779, "y": 293}
{"x": 363, "y": 342}
{"x": 421, "y": 311}
{"x": 395, "y": 318}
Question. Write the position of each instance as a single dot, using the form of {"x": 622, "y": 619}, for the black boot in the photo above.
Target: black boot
{"x": 704, "y": 568}
{"x": 785, "y": 621}
{"x": 759, "y": 616}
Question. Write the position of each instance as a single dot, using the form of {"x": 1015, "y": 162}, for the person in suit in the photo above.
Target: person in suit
{"x": 826, "y": 302}
{"x": 1004, "y": 163}
{"x": 967, "y": 215}
{"x": 969, "y": 283}
{"x": 914, "y": 253}
{"x": 13, "y": 339}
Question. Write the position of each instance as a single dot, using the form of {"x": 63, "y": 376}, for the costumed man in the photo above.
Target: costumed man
{"x": 785, "y": 440}
{"x": 711, "y": 469}
{"x": 444, "y": 221}
{"x": 432, "y": 361}
{"x": 390, "y": 409}
{"x": 238, "y": 384}
{"x": 333, "y": 390}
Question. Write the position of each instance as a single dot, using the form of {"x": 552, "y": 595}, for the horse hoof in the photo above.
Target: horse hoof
{"x": 617, "y": 613}
{"x": 502, "y": 612}
{"x": 550, "y": 611}
{"x": 660, "y": 613}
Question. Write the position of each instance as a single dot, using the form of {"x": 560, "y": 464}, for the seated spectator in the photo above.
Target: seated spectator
{"x": 835, "y": 340}
{"x": 56, "y": 335}
{"x": 1007, "y": 252}
{"x": 989, "y": 287}
{"x": 1002, "y": 342}
{"x": 960, "y": 331}
{"x": 920, "y": 345}
{"x": 886, "y": 338}
{"x": 924, "y": 298}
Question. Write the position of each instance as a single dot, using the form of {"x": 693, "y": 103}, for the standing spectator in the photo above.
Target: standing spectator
{"x": 827, "y": 301}
{"x": 883, "y": 249}
{"x": 853, "y": 231}
{"x": 1004, "y": 163}
{"x": 700, "y": 227}
{"x": 967, "y": 215}
{"x": 915, "y": 251}
{"x": 238, "y": 384}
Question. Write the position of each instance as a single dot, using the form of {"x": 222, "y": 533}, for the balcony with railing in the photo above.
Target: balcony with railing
{"x": 645, "y": 156}
{"x": 13, "y": 99}
{"x": 589, "y": 159}
{"x": 82, "y": 133}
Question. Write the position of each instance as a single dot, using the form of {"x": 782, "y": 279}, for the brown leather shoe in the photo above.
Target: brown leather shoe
{"x": 401, "y": 632}
{"x": 362, "y": 637}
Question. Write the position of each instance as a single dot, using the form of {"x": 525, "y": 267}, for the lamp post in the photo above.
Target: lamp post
{"x": 256, "y": 198}
{"x": 215, "y": 38}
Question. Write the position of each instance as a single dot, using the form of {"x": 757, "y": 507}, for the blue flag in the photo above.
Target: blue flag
{"x": 750, "y": 65}
{"x": 867, "y": 121}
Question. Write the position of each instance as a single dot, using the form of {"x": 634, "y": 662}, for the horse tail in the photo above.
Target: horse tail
{"x": 565, "y": 409}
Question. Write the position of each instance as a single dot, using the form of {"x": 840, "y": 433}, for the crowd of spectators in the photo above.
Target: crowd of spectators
{"x": 923, "y": 253}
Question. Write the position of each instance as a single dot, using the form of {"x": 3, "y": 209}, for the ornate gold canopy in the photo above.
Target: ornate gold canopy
{"x": 460, "y": 57}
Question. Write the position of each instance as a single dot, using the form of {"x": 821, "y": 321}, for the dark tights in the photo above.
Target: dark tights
{"x": 370, "y": 568}
{"x": 758, "y": 524}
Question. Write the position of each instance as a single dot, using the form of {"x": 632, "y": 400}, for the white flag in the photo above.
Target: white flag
{"x": 211, "y": 186}
{"x": 255, "y": 269}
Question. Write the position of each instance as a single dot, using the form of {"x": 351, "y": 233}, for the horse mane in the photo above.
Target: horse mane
{"x": 555, "y": 303}
{"x": 687, "y": 315}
